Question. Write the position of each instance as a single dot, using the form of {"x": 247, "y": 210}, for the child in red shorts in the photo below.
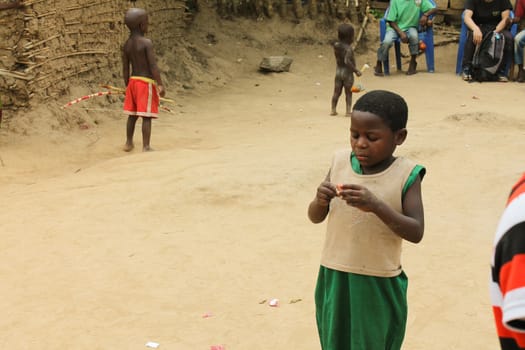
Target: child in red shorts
{"x": 144, "y": 85}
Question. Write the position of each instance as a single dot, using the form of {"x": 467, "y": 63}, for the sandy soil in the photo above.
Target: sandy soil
{"x": 103, "y": 249}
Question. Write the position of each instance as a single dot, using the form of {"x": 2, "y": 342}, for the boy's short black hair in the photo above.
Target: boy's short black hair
{"x": 389, "y": 106}
{"x": 345, "y": 32}
{"x": 134, "y": 17}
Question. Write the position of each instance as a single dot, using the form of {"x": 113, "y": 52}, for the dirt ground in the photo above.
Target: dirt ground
{"x": 186, "y": 246}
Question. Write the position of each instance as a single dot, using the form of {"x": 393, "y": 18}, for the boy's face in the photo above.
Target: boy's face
{"x": 373, "y": 142}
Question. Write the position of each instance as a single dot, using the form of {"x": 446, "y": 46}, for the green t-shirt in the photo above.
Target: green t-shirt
{"x": 406, "y": 13}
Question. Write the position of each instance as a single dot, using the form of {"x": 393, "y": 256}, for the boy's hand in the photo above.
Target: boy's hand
{"x": 403, "y": 37}
{"x": 358, "y": 196}
{"x": 325, "y": 192}
{"x": 358, "y": 73}
{"x": 162, "y": 92}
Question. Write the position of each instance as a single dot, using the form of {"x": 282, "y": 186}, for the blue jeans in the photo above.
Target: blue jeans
{"x": 391, "y": 36}
{"x": 519, "y": 44}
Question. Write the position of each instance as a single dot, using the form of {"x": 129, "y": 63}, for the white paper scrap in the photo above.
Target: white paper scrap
{"x": 152, "y": 344}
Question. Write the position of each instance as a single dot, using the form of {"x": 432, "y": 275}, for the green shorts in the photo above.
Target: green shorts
{"x": 358, "y": 312}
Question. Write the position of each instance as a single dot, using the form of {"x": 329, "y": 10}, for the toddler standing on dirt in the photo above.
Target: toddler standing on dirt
{"x": 144, "y": 85}
{"x": 372, "y": 200}
{"x": 345, "y": 67}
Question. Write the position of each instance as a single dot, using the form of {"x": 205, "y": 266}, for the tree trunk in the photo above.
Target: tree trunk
{"x": 269, "y": 8}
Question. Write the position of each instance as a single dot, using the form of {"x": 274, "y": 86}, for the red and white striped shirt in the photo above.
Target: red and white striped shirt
{"x": 508, "y": 271}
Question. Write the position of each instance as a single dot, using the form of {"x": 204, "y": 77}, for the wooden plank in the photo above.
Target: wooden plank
{"x": 381, "y": 5}
{"x": 457, "y": 4}
{"x": 442, "y": 4}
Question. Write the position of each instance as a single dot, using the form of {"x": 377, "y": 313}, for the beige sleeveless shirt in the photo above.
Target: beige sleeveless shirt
{"x": 357, "y": 241}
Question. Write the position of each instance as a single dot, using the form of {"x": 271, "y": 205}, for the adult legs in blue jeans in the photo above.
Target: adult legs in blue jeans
{"x": 519, "y": 44}
{"x": 391, "y": 36}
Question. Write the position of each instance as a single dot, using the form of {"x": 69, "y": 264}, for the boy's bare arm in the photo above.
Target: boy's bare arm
{"x": 350, "y": 62}
{"x": 425, "y": 16}
{"x": 318, "y": 208}
{"x": 125, "y": 67}
{"x": 402, "y": 35}
{"x": 155, "y": 72}
{"x": 505, "y": 15}
{"x": 410, "y": 224}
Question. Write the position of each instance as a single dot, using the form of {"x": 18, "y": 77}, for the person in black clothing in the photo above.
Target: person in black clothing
{"x": 483, "y": 17}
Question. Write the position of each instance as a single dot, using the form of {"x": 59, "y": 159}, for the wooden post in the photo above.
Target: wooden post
{"x": 298, "y": 8}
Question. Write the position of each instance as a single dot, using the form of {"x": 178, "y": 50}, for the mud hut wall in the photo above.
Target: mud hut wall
{"x": 60, "y": 43}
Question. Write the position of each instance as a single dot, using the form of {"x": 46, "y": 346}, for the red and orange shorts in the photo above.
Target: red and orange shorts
{"x": 142, "y": 98}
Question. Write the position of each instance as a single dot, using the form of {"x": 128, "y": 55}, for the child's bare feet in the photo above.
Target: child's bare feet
{"x": 147, "y": 149}
{"x": 333, "y": 112}
{"x": 128, "y": 147}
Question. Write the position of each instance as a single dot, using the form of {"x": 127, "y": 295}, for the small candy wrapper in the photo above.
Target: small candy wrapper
{"x": 152, "y": 344}
{"x": 274, "y": 302}
{"x": 217, "y": 347}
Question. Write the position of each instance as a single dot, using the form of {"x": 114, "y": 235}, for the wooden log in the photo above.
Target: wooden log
{"x": 89, "y": 52}
{"x": 15, "y": 75}
{"x": 50, "y": 13}
{"x": 30, "y": 45}
{"x": 32, "y": 2}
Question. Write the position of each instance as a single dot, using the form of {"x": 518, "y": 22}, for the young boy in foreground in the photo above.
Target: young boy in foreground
{"x": 372, "y": 200}
{"x": 144, "y": 85}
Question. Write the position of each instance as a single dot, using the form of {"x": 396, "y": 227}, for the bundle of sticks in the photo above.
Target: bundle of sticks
{"x": 113, "y": 90}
